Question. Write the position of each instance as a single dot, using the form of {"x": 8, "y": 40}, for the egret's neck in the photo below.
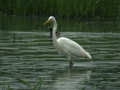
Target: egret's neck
{"x": 54, "y": 37}
{"x": 54, "y": 31}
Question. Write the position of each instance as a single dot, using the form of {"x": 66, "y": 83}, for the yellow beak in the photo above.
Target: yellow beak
{"x": 46, "y": 22}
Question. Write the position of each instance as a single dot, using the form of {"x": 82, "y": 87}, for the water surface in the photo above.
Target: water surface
{"x": 27, "y": 53}
{"x": 31, "y": 55}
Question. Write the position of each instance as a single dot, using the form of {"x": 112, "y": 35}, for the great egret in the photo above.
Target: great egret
{"x": 67, "y": 46}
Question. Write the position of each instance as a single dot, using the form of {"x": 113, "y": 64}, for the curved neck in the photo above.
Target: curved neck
{"x": 54, "y": 31}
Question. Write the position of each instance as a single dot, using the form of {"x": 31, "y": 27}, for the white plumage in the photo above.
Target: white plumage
{"x": 72, "y": 48}
{"x": 67, "y": 46}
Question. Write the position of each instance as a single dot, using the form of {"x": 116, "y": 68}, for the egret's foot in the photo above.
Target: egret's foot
{"x": 70, "y": 64}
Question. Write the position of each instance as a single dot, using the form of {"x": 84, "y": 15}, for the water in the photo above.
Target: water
{"x": 29, "y": 55}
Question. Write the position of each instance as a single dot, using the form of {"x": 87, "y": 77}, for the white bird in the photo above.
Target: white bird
{"x": 67, "y": 46}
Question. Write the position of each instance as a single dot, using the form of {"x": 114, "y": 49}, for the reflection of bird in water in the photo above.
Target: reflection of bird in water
{"x": 74, "y": 80}
{"x": 57, "y": 33}
{"x": 66, "y": 46}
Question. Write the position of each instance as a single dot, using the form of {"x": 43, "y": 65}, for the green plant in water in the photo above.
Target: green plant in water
{"x": 35, "y": 87}
{"x": 9, "y": 88}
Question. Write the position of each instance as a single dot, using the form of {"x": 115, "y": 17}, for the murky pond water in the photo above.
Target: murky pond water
{"x": 29, "y": 55}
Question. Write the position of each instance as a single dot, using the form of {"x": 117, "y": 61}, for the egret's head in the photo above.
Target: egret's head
{"x": 50, "y": 19}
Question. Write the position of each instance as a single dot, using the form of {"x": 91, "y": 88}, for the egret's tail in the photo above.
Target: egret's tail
{"x": 89, "y": 56}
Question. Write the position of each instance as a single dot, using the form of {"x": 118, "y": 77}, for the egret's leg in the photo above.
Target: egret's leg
{"x": 70, "y": 62}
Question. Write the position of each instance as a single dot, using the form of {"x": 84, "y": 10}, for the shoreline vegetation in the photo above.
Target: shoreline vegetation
{"x": 30, "y": 14}
{"x": 84, "y": 9}
{"x": 35, "y": 23}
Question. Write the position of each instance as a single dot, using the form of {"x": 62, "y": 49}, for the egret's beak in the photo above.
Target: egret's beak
{"x": 46, "y": 22}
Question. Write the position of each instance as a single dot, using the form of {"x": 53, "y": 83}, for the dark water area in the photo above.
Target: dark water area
{"x": 30, "y": 55}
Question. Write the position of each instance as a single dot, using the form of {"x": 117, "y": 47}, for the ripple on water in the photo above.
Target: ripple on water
{"x": 31, "y": 55}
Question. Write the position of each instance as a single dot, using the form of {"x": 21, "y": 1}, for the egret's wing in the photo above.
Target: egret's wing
{"x": 69, "y": 46}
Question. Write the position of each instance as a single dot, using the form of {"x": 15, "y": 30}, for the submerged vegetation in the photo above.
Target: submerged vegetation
{"x": 28, "y": 85}
{"x": 61, "y": 8}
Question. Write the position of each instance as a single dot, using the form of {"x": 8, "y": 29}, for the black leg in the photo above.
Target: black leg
{"x": 70, "y": 63}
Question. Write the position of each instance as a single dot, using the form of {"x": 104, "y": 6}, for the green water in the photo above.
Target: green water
{"x": 26, "y": 52}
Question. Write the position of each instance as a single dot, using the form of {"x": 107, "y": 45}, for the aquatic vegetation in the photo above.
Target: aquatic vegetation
{"x": 9, "y": 88}
{"x": 61, "y": 8}
{"x": 37, "y": 86}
